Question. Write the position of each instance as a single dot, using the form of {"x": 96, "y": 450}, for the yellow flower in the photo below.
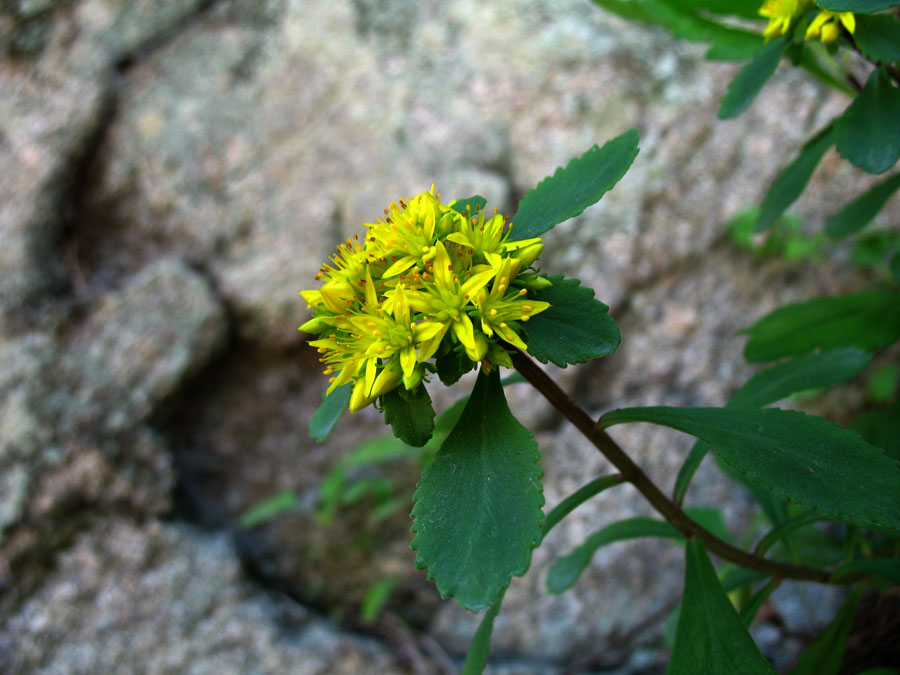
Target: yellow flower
{"x": 780, "y": 14}
{"x": 427, "y": 280}
{"x": 827, "y": 25}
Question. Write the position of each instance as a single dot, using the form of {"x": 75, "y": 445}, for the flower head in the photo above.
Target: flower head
{"x": 426, "y": 280}
{"x": 827, "y": 25}
{"x": 781, "y": 13}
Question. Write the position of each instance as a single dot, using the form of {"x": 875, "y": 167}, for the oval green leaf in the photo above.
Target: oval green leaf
{"x": 751, "y": 79}
{"x": 329, "y": 412}
{"x": 878, "y": 37}
{"x": 867, "y": 134}
{"x": 410, "y": 415}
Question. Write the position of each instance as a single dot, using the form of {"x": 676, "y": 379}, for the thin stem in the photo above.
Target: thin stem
{"x": 668, "y": 509}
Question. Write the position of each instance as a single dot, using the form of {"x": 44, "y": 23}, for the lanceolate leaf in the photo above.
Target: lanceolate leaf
{"x": 801, "y": 458}
{"x": 869, "y": 320}
{"x": 574, "y": 329}
{"x": 328, "y": 414}
{"x": 571, "y": 190}
{"x": 823, "y": 656}
{"x": 878, "y": 37}
{"x": 477, "y": 657}
{"x": 711, "y": 638}
{"x": 410, "y": 415}
{"x": 789, "y": 184}
{"x": 864, "y": 6}
{"x": 867, "y": 134}
{"x": 478, "y": 506}
{"x": 862, "y": 210}
{"x": 751, "y": 79}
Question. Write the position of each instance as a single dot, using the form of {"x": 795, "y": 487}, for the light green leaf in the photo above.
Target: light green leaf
{"x": 878, "y": 37}
{"x": 376, "y": 598}
{"x": 566, "y": 570}
{"x": 823, "y": 656}
{"x": 868, "y": 320}
{"x": 864, "y": 6}
{"x": 711, "y": 638}
{"x": 476, "y": 658}
{"x": 328, "y": 414}
{"x": 478, "y": 505}
{"x": 801, "y": 458}
{"x": 789, "y": 183}
{"x": 269, "y": 508}
{"x": 574, "y": 329}
{"x": 571, "y": 190}
{"x": 862, "y": 210}
{"x": 751, "y": 79}
{"x": 410, "y": 415}
{"x": 867, "y": 134}
{"x": 474, "y": 203}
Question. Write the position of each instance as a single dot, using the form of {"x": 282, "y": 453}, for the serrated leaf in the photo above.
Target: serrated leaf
{"x": 410, "y": 415}
{"x": 476, "y": 658}
{"x": 566, "y": 570}
{"x": 751, "y": 79}
{"x": 711, "y": 638}
{"x": 867, "y": 134}
{"x": 476, "y": 202}
{"x": 878, "y": 37}
{"x": 329, "y": 412}
{"x": 868, "y": 320}
{"x": 574, "y": 329}
{"x": 792, "y": 179}
{"x": 801, "y": 458}
{"x": 862, "y": 6}
{"x": 572, "y": 189}
{"x": 823, "y": 656}
{"x": 478, "y": 505}
{"x": 862, "y": 210}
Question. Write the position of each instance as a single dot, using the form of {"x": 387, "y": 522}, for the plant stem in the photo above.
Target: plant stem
{"x": 668, "y": 509}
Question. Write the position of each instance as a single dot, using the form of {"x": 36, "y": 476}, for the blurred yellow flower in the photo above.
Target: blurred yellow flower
{"x": 827, "y": 25}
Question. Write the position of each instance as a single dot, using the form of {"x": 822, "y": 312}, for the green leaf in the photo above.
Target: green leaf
{"x": 867, "y": 134}
{"x": 883, "y": 383}
{"x": 476, "y": 659}
{"x": 801, "y": 458}
{"x": 687, "y": 471}
{"x": 818, "y": 62}
{"x": 475, "y": 203}
{"x": 868, "y": 320}
{"x": 328, "y": 414}
{"x": 574, "y": 329}
{"x": 751, "y": 79}
{"x": 579, "y": 497}
{"x": 863, "y": 6}
{"x": 753, "y": 605}
{"x": 889, "y": 568}
{"x": 878, "y": 37}
{"x": 710, "y": 638}
{"x": 881, "y": 428}
{"x": 478, "y": 505}
{"x": 789, "y": 183}
{"x": 452, "y": 366}
{"x": 376, "y": 598}
{"x": 895, "y": 266}
{"x": 410, "y": 415}
{"x": 566, "y": 570}
{"x": 810, "y": 371}
{"x": 862, "y": 210}
{"x": 824, "y": 655}
{"x": 782, "y": 530}
{"x": 571, "y": 190}
{"x": 269, "y": 508}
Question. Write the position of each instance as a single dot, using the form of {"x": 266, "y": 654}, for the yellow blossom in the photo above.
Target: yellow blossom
{"x": 781, "y": 13}
{"x": 827, "y": 25}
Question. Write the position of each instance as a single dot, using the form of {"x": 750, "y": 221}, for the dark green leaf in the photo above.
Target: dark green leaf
{"x": 862, "y": 210}
{"x": 881, "y": 428}
{"x": 710, "y": 518}
{"x": 810, "y": 371}
{"x": 801, "y": 458}
{"x": 579, "y": 497}
{"x": 867, "y": 134}
{"x": 751, "y": 78}
{"x": 864, "y": 6}
{"x": 410, "y": 415}
{"x": 745, "y": 8}
{"x": 868, "y": 320}
{"x": 478, "y": 504}
{"x": 878, "y": 37}
{"x": 782, "y": 530}
{"x": 474, "y": 203}
{"x": 571, "y": 190}
{"x": 753, "y": 605}
{"x": 883, "y": 383}
{"x": 566, "y": 570}
{"x": 889, "y": 568}
{"x": 823, "y": 656}
{"x": 452, "y": 366}
{"x": 710, "y": 638}
{"x": 328, "y": 414}
{"x": 574, "y": 329}
{"x": 477, "y": 657}
{"x": 789, "y": 183}
{"x": 895, "y": 266}
{"x": 688, "y": 469}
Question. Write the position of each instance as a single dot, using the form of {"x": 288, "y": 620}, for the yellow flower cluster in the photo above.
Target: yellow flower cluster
{"x": 425, "y": 278}
{"x": 826, "y": 25}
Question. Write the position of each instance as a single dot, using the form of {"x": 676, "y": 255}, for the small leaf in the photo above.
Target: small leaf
{"x": 574, "y": 329}
{"x": 862, "y": 210}
{"x": 881, "y": 428}
{"x": 376, "y": 598}
{"x": 571, "y": 190}
{"x": 790, "y": 182}
{"x": 823, "y": 656}
{"x": 579, "y": 497}
{"x": 878, "y": 37}
{"x": 476, "y": 658}
{"x": 475, "y": 203}
{"x": 452, "y": 366}
{"x": 868, "y": 320}
{"x": 755, "y": 603}
{"x": 269, "y": 508}
{"x": 801, "y": 458}
{"x": 751, "y": 79}
{"x": 863, "y": 6}
{"x": 710, "y": 638}
{"x": 410, "y": 415}
{"x": 867, "y": 134}
{"x": 328, "y": 414}
{"x": 478, "y": 504}
{"x": 566, "y": 570}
